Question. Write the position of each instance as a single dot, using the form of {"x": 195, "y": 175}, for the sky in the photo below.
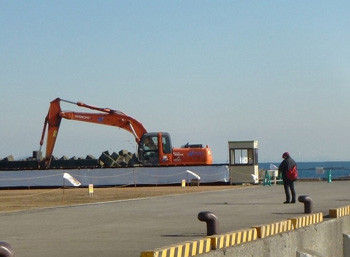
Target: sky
{"x": 205, "y": 71}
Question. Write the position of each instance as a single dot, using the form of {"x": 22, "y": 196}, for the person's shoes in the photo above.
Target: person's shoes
{"x": 286, "y": 202}
{"x": 293, "y": 201}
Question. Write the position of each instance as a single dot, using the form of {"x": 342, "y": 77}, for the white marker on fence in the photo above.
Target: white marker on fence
{"x": 72, "y": 180}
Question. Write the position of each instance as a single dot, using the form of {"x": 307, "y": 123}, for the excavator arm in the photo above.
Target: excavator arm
{"x": 104, "y": 116}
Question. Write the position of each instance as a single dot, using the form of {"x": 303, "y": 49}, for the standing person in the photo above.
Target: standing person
{"x": 286, "y": 165}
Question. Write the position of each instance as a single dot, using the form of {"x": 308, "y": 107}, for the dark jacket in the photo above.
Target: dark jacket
{"x": 286, "y": 165}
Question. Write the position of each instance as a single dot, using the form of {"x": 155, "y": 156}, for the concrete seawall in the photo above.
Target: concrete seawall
{"x": 328, "y": 238}
{"x": 309, "y": 235}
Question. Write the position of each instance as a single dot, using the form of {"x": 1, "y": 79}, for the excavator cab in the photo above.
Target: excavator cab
{"x": 155, "y": 149}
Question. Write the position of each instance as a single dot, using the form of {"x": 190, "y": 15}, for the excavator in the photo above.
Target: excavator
{"x": 154, "y": 148}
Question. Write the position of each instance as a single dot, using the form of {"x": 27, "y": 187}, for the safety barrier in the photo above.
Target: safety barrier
{"x": 233, "y": 238}
{"x": 272, "y": 175}
{"x": 186, "y": 249}
{"x": 118, "y": 176}
{"x": 307, "y": 220}
{"x": 266, "y": 230}
{"x": 339, "y": 212}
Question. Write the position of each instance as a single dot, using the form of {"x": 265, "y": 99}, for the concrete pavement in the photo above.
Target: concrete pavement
{"x": 126, "y": 228}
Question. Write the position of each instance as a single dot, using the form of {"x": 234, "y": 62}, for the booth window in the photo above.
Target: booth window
{"x": 243, "y": 156}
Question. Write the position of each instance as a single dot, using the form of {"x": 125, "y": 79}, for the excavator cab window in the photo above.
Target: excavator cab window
{"x": 166, "y": 144}
{"x": 151, "y": 143}
{"x": 148, "y": 149}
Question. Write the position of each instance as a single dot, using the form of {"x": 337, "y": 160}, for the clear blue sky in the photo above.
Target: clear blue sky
{"x": 205, "y": 71}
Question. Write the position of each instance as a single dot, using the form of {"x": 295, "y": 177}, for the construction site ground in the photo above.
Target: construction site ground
{"x": 27, "y": 199}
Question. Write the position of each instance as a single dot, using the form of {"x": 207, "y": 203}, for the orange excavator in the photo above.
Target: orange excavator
{"x": 154, "y": 148}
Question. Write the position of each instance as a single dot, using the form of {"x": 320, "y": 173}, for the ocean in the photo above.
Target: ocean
{"x": 314, "y": 170}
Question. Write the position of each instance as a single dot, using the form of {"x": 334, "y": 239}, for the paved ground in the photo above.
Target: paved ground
{"x": 125, "y": 228}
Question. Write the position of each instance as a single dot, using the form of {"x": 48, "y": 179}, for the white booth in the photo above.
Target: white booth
{"x": 243, "y": 162}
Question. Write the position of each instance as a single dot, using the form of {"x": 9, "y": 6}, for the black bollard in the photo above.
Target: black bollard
{"x": 6, "y": 250}
{"x": 211, "y": 220}
{"x": 308, "y": 204}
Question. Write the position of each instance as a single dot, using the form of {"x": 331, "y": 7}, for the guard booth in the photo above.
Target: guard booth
{"x": 243, "y": 163}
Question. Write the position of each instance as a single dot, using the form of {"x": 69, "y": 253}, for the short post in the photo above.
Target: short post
{"x": 6, "y": 250}
{"x": 308, "y": 204}
{"x": 91, "y": 189}
{"x": 329, "y": 175}
{"x": 211, "y": 220}
{"x": 183, "y": 183}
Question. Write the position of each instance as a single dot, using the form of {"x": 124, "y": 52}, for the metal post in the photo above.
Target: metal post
{"x": 308, "y": 204}
{"x": 6, "y": 250}
{"x": 211, "y": 220}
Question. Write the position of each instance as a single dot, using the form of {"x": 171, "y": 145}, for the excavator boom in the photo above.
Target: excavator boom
{"x": 104, "y": 116}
